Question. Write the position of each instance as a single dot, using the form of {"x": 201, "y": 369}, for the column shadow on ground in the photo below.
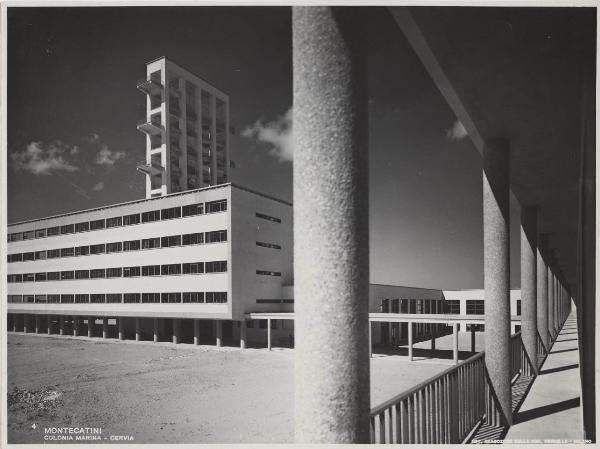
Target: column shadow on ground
{"x": 422, "y": 354}
{"x": 563, "y": 350}
{"x": 559, "y": 368}
{"x": 545, "y": 410}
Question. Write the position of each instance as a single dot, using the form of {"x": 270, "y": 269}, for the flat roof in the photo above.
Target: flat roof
{"x": 171, "y": 195}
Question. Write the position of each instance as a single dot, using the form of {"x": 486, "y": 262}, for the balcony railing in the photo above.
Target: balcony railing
{"x": 151, "y": 168}
{"x": 152, "y": 126}
{"x": 150, "y": 86}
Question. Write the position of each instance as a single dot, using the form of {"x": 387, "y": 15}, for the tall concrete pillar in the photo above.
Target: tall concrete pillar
{"x": 331, "y": 250}
{"x": 196, "y": 332}
{"x": 542, "y": 290}
{"x": 156, "y": 330}
{"x": 104, "y": 327}
{"x": 37, "y": 323}
{"x": 15, "y": 322}
{"x": 61, "y": 325}
{"x": 496, "y": 269}
{"x": 91, "y": 322}
{"x": 138, "y": 330}
{"x": 176, "y": 330}
{"x": 269, "y": 334}
{"x": 25, "y": 323}
{"x": 219, "y": 339}
{"x": 121, "y": 324}
{"x": 551, "y": 294}
{"x": 529, "y": 282}
{"x": 75, "y": 326}
{"x": 243, "y": 334}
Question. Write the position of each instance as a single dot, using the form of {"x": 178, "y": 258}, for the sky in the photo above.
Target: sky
{"x": 73, "y": 108}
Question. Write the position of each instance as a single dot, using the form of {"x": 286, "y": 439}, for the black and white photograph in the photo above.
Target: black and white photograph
{"x": 298, "y": 223}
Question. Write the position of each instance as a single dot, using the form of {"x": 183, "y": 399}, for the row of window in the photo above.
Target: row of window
{"x": 116, "y": 247}
{"x": 125, "y": 220}
{"x": 217, "y": 266}
{"x": 474, "y": 306}
{"x": 107, "y": 298}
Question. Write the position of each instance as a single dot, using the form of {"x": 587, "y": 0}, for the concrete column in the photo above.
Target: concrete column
{"x": 49, "y": 324}
{"x": 455, "y": 342}
{"x": 176, "y": 329}
{"x": 25, "y": 323}
{"x": 473, "y": 336}
{"x": 138, "y": 330}
{"x": 90, "y": 326}
{"x": 219, "y": 340}
{"x": 496, "y": 268}
{"x": 15, "y": 322}
{"x": 61, "y": 325}
{"x": 551, "y": 292}
{"x": 410, "y": 341}
{"x": 104, "y": 327}
{"x": 529, "y": 282}
{"x": 542, "y": 290}
{"x": 243, "y": 334}
{"x": 156, "y": 330}
{"x": 269, "y": 334}
{"x": 370, "y": 339}
{"x": 331, "y": 250}
{"x": 121, "y": 328}
{"x": 37, "y": 324}
{"x": 75, "y": 326}
{"x": 197, "y": 332}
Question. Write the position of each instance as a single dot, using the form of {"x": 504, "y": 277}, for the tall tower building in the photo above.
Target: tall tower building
{"x": 186, "y": 127}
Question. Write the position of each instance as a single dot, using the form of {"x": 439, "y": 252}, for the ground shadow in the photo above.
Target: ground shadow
{"x": 559, "y": 368}
{"x": 564, "y": 350}
{"x": 545, "y": 410}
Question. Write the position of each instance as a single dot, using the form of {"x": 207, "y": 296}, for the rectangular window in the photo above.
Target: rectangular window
{"x": 41, "y": 299}
{"x": 114, "y": 222}
{"x": 97, "y": 224}
{"x": 67, "y": 252}
{"x": 193, "y": 297}
{"x": 170, "y": 297}
{"x": 132, "y": 219}
{"x": 153, "y": 215}
{"x": 170, "y": 213}
{"x": 53, "y": 299}
{"x": 519, "y": 307}
{"x": 114, "y": 298}
{"x": 475, "y": 307}
{"x": 131, "y": 297}
{"x": 67, "y": 299}
{"x": 193, "y": 239}
{"x": 114, "y": 272}
{"x": 151, "y": 270}
{"x": 82, "y": 298}
{"x": 130, "y": 272}
{"x": 216, "y": 297}
{"x": 82, "y": 227}
{"x": 67, "y": 229}
{"x": 268, "y": 273}
{"x": 151, "y": 243}
{"x": 98, "y": 298}
{"x": 18, "y": 257}
{"x": 28, "y": 277}
{"x": 172, "y": 240}
{"x": 268, "y": 217}
{"x": 53, "y": 275}
{"x": 97, "y": 273}
{"x": 82, "y": 274}
{"x": 67, "y": 275}
{"x": 452, "y": 306}
{"x": 216, "y": 236}
{"x": 268, "y": 245}
{"x": 192, "y": 209}
{"x": 216, "y": 206}
{"x": 114, "y": 247}
{"x": 82, "y": 250}
{"x": 14, "y": 278}
{"x": 170, "y": 269}
{"x": 40, "y": 233}
{"x": 151, "y": 297}
{"x": 131, "y": 245}
{"x": 28, "y": 256}
{"x": 53, "y": 253}
{"x": 100, "y": 248}
{"x": 193, "y": 268}
{"x": 28, "y": 298}
{"x": 40, "y": 277}
{"x": 14, "y": 298}
{"x": 28, "y": 235}
{"x": 40, "y": 255}
{"x": 218, "y": 266}
{"x": 15, "y": 237}
{"x": 51, "y": 232}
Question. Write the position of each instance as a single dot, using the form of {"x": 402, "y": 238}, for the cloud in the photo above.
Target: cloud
{"x": 94, "y": 138}
{"x": 98, "y": 186}
{"x": 457, "y": 132}
{"x": 41, "y": 159}
{"x": 277, "y": 133}
{"x": 108, "y": 157}
{"x": 74, "y": 150}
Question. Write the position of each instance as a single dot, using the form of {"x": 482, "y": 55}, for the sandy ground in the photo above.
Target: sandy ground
{"x": 161, "y": 393}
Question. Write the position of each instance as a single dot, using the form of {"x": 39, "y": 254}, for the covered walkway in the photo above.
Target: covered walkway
{"x": 551, "y": 410}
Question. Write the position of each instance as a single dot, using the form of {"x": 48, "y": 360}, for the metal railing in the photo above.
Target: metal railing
{"x": 519, "y": 363}
{"x": 444, "y": 409}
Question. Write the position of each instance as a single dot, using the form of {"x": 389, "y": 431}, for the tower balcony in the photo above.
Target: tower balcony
{"x": 150, "y": 86}
{"x": 151, "y": 127}
{"x": 151, "y": 168}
